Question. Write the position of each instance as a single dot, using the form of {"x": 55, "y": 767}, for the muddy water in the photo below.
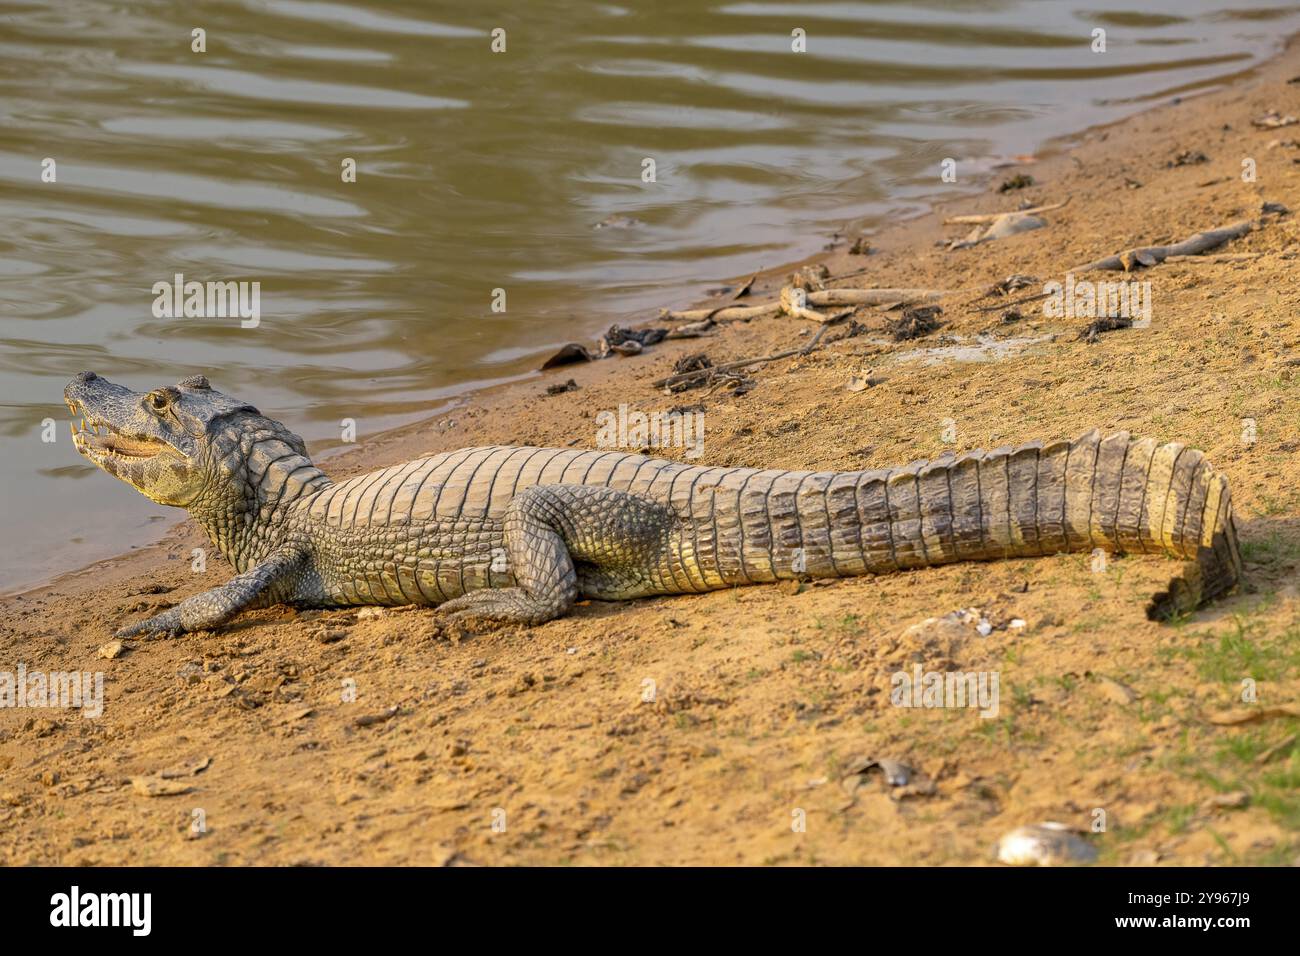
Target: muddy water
{"x": 476, "y": 171}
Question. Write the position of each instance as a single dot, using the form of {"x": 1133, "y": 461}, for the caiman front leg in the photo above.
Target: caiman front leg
{"x": 617, "y": 538}
{"x": 217, "y": 606}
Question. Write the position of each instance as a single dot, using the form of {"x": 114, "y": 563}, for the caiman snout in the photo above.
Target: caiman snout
{"x": 87, "y": 388}
{"x": 72, "y": 392}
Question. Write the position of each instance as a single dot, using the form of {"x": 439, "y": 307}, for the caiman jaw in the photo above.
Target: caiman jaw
{"x": 100, "y": 441}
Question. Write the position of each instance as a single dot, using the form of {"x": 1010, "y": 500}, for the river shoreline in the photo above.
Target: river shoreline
{"x": 767, "y": 696}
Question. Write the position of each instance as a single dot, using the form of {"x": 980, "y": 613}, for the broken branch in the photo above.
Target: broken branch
{"x": 1153, "y": 255}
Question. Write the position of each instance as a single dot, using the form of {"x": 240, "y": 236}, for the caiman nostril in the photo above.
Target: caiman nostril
{"x": 86, "y": 376}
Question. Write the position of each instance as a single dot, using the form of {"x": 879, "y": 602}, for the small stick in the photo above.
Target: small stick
{"x": 726, "y": 313}
{"x": 812, "y": 344}
{"x": 1006, "y": 305}
{"x": 874, "y": 296}
{"x": 991, "y": 216}
{"x": 738, "y": 313}
{"x": 1221, "y": 257}
{"x": 741, "y": 363}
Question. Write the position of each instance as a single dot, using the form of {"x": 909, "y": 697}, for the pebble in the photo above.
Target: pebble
{"x": 112, "y": 649}
{"x": 1044, "y": 844}
{"x": 365, "y": 720}
{"x": 1115, "y": 692}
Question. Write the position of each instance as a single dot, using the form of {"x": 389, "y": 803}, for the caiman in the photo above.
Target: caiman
{"x": 519, "y": 534}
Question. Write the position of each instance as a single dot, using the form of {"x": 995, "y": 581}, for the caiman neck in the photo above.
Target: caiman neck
{"x": 248, "y": 530}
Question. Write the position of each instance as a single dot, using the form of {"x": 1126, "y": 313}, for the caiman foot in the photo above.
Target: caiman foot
{"x": 509, "y": 605}
{"x": 213, "y": 608}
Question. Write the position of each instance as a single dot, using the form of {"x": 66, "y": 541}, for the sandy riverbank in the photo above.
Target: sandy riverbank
{"x": 766, "y": 695}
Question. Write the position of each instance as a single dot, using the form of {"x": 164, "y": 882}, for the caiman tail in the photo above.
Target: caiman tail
{"x": 1112, "y": 493}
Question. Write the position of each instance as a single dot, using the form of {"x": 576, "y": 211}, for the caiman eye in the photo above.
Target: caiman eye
{"x": 159, "y": 401}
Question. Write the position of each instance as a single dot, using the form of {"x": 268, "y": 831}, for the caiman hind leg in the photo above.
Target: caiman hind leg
{"x": 563, "y": 540}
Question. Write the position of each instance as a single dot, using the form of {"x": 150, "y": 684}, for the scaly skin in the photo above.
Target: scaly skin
{"x": 518, "y": 534}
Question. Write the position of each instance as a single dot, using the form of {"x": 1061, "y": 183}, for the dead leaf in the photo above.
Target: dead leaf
{"x": 860, "y": 383}
{"x": 573, "y": 352}
{"x": 744, "y": 289}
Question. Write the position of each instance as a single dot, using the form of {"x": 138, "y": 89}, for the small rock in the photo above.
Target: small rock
{"x": 330, "y": 635}
{"x": 112, "y": 650}
{"x": 560, "y": 389}
{"x": 1018, "y": 181}
{"x": 1188, "y": 157}
{"x": 897, "y": 774}
{"x": 49, "y": 778}
{"x": 1115, "y": 692}
{"x": 365, "y": 720}
{"x": 1010, "y": 224}
{"x": 860, "y": 383}
{"x": 368, "y": 613}
{"x": 1044, "y": 844}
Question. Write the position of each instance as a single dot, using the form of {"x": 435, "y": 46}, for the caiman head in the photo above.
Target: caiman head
{"x": 188, "y": 445}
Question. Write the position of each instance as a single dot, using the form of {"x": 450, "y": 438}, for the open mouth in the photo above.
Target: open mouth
{"x": 100, "y": 439}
